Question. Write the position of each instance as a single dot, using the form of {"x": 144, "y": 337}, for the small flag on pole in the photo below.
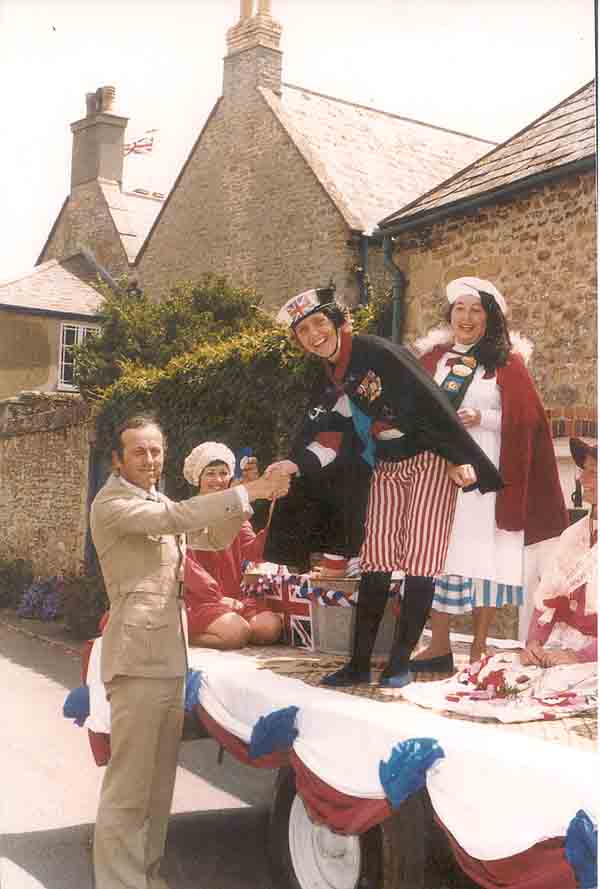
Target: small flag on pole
{"x": 143, "y": 145}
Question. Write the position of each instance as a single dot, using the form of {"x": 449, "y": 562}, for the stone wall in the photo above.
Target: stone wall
{"x": 540, "y": 250}
{"x": 44, "y": 465}
{"x": 85, "y": 221}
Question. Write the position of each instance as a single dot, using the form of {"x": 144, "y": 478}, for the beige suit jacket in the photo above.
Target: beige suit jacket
{"x": 140, "y": 548}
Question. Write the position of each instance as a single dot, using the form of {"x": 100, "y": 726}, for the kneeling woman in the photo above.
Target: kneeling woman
{"x": 217, "y": 617}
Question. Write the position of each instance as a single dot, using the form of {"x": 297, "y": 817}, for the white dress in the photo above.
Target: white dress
{"x": 478, "y": 551}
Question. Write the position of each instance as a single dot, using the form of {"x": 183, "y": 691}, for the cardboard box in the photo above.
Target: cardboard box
{"x": 333, "y": 625}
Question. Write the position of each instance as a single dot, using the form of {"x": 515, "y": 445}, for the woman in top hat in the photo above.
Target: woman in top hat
{"x": 376, "y": 392}
{"x": 482, "y": 370}
{"x": 564, "y": 624}
{"x": 216, "y": 616}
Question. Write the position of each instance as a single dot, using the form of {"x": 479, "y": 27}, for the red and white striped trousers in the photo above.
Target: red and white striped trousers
{"x": 409, "y": 516}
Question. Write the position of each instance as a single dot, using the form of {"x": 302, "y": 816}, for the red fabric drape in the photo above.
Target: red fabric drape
{"x": 100, "y": 744}
{"x": 340, "y": 811}
{"x": 238, "y": 748}
{"x": 544, "y": 866}
{"x": 348, "y": 814}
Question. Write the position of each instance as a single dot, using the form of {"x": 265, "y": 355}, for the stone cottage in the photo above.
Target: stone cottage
{"x": 523, "y": 216}
{"x": 283, "y": 185}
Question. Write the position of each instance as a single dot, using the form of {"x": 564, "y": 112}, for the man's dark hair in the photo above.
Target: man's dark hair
{"x": 136, "y": 421}
{"x": 337, "y": 314}
{"x": 494, "y": 347}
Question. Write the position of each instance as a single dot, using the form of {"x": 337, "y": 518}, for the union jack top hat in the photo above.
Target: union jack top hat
{"x": 304, "y": 304}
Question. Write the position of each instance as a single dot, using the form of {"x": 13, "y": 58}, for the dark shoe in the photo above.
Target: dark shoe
{"x": 443, "y": 663}
{"x": 397, "y": 680}
{"x": 346, "y": 677}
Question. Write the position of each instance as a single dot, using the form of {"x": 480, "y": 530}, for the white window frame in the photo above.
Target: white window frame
{"x": 81, "y": 331}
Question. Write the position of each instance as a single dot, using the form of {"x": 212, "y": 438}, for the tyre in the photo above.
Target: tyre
{"x": 304, "y": 855}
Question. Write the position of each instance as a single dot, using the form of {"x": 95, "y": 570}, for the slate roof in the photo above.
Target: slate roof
{"x": 57, "y": 288}
{"x": 561, "y": 136}
{"x": 369, "y": 161}
{"x": 133, "y": 214}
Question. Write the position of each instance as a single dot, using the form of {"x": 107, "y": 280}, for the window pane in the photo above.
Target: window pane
{"x": 67, "y": 375}
{"x": 69, "y": 335}
{"x": 72, "y": 335}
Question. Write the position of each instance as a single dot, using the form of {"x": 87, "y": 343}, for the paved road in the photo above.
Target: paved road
{"x": 49, "y": 790}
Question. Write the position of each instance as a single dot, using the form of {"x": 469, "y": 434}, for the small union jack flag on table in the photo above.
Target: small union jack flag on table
{"x": 290, "y": 596}
{"x": 294, "y": 596}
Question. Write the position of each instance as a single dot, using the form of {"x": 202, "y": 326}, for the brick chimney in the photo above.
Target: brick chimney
{"x": 98, "y": 140}
{"x": 253, "y": 56}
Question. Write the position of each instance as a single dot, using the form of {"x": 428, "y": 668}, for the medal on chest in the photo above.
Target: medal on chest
{"x": 369, "y": 387}
{"x": 459, "y": 377}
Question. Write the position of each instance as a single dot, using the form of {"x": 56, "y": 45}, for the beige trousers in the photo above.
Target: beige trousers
{"x": 137, "y": 791}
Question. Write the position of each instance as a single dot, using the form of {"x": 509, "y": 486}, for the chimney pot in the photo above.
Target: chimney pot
{"x": 105, "y": 98}
{"x": 91, "y": 104}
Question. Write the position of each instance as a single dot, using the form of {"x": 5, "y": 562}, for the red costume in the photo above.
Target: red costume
{"x": 211, "y": 575}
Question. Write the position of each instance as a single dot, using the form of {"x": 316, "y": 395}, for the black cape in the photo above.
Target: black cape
{"x": 325, "y": 509}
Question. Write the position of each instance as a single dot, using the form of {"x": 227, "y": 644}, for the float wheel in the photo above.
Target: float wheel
{"x": 305, "y": 855}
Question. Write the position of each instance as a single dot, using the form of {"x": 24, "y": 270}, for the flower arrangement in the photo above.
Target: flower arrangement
{"x": 42, "y": 599}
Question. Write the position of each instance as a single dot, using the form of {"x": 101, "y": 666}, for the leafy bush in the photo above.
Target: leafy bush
{"x": 84, "y": 603}
{"x": 15, "y": 576}
{"x": 208, "y": 361}
{"x": 147, "y": 332}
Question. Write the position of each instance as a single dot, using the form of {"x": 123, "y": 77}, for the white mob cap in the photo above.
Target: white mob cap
{"x": 198, "y": 459}
{"x": 474, "y": 286}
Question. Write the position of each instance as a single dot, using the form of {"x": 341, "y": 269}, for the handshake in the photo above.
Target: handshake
{"x": 273, "y": 483}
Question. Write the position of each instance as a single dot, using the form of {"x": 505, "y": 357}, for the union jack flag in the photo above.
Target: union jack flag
{"x": 289, "y": 596}
{"x": 143, "y": 145}
{"x": 299, "y": 307}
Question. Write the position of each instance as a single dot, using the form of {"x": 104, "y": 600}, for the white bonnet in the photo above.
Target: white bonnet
{"x": 198, "y": 459}
{"x": 474, "y": 285}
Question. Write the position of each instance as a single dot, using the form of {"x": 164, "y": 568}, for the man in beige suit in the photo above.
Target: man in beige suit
{"x": 137, "y": 535}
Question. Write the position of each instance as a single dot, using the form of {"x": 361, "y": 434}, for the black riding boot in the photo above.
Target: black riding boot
{"x": 416, "y": 605}
{"x": 372, "y": 597}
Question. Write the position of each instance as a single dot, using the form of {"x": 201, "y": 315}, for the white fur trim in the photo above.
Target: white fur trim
{"x": 521, "y": 345}
{"x": 437, "y": 336}
{"x": 442, "y": 336}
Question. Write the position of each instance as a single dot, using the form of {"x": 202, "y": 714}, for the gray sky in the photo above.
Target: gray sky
{"x": 484, "y": 67}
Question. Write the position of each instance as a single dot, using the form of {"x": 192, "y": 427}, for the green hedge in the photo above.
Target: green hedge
{"x": 247, "y": 390}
